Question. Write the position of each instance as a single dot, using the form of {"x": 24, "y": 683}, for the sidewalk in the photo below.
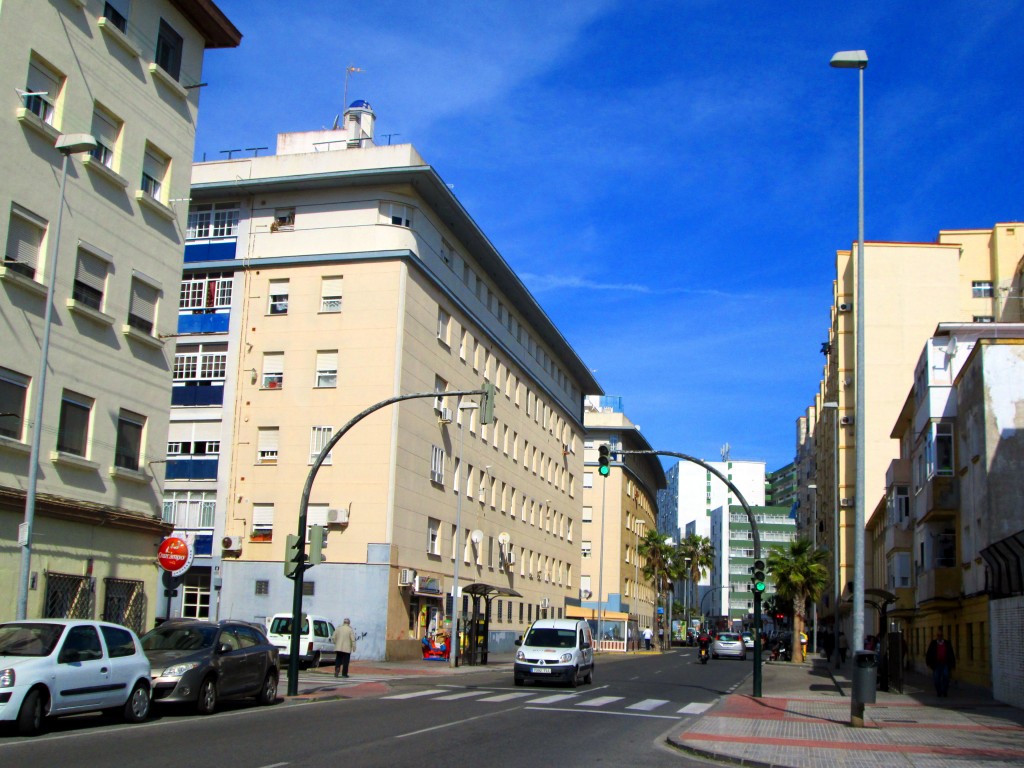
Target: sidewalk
{"x": 802, "y": 720}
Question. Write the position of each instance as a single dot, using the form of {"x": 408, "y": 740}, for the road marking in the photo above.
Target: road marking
{"x": 508, "y": 696}
{"x": 463, "y": 695}
{"x": 554, "y": 698}
{"x": 603, "y": 712}
{"x": 416, "y": 694}
{"x": 600, "y": 701}
{"x": 648, "y": 704}
{"x": 457, "y": 722}
{"x": 694, "y": 709}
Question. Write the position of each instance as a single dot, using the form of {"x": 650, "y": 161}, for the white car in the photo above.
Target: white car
{"x": 51, "y": 667}
{"x": 728, "y": 644}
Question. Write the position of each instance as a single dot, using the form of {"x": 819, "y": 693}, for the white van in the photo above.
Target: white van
{"x": 315, "y": 644}
{"x": 556, "y": 649}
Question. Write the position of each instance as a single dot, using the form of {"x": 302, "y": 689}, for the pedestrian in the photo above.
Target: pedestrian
{"x": 344, "y": 646}
{"x": 941, "y": 660}
{"x": 829, "y": 644}
{"x": 844, "y": 647}
{"x": 648, "y": 636}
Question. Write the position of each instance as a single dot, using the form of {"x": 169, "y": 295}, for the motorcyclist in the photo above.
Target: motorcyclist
{"x": 704, "y": 641}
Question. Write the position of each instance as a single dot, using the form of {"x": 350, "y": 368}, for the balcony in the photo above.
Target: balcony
{"x": 938, "y": 584}
{"x": 218, "y": 250}
{"x": 191, "y": 395}
{"x": 897, "y": 537}
{"x": 203, "y": 322}
{"x": 941, "y": 499}
{"x": 192, "y": 469}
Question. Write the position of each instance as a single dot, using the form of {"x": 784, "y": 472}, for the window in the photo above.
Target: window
{"x": 128, "y": 449}
{"x": 284, "y": 219}
{"x": 981, "y": 289}
{"x": 267, "y": 444}
{"x": 330, "y": 294}
{"x": 443, "y": 323}
{"x": 320, "y": 437}
{"x": 106, "y": 129}
{"x": 24, "y": 242}
{"x": 42, "y": 89}
{"x": 262, "y": 587}
{"x": 433, "y": 536}
{"x": 316, "y": 514}
{"x": 73, "y": 428}
{"x": 273, "y": 370}
{"x": 117, "y": 12}
{"x": 899, "y": 570}
{"x": 200, "y": 362}
{"x": 588, "y": 479}
{"x": 212, "y": 220}
{"x": 142, "y": 306}
{"x": 168, "y": 50}
{"x": 90, "y": 279}
{"x": 939, "y": 450}
{"x": 588, "y": 514}
{"x": 983, "y": 319}
{"x": 440, "y": 386}
{"x": 190, "y": 509}
{"x": 396, "y": 213}
{"x": 155, "y": 165}
{"x": 586, "y": 548}
{"x": 205, "y": 292}
{"x": 437, "y": 464}
{"x": 327, "y": 368}
{"x": 13, "y": 391}
{"x": 262, "y": 522}
{"x": 278, "y": 298}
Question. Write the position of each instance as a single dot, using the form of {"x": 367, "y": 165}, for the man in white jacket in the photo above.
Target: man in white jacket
{"x": 344, "y": 646}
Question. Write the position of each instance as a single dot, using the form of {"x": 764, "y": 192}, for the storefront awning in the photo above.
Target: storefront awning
{"x": 488, "y": 591}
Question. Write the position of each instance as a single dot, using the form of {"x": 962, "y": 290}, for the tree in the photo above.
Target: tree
{"x": 656, "y": 556}
{"x": 799, "y": 575}
{"x": 700, "y": 553}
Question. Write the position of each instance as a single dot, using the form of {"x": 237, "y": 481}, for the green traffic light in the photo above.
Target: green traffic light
{"x": 604, "y": 470}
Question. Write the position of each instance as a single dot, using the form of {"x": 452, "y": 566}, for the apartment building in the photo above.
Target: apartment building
{"x": 108, "y": 244}
{"x": 909, "y": 289}
{"x": 322, "y": 280}
{"x": 618, "y": 510}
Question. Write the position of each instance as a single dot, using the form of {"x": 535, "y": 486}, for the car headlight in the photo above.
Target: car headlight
{"x": 520, "y": 656}
{"x": 565, "y": 657}
{"x": 7, "y": 677}
{"x": 179, "y": 670}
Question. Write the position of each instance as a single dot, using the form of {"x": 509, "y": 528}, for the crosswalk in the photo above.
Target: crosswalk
{"x": 581, "y": 701}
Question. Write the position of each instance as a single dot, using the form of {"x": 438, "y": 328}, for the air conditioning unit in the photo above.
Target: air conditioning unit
{"x": 844, "y": 307}
{"x": 444, "y": 416}
{"x": 846, "y": 502}
{"x": 846, "y": 421}
{"x": 406, "y": 576}
{"x": 337, "y": 516}
{"x": 231, "y": 543}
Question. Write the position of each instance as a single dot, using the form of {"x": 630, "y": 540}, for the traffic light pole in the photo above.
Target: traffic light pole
{"x": 299, "y": 554}
{"x": 757, "y": 547}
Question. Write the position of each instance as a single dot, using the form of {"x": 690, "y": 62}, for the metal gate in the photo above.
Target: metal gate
{"x": 124, "y": 603}
{"x": 69, "y": 597}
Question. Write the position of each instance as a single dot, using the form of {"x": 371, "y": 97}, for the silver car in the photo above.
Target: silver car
{"x": 728, "y": 644}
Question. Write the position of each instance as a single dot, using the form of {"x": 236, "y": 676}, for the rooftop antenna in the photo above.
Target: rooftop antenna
{"x": 725, "y": 451}
{"x": 348, "y": 71}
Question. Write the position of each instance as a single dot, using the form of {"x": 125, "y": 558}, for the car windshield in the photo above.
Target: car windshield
{"x": 178, "y": 638}
{"x": 282, "y": 625}
{"x": 551, "y": 638}
{"x": 727, "y": 637}
{"x": 28, "y": 639}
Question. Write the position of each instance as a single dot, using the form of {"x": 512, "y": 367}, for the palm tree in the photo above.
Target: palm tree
{"x": 656, "y": 554}
{"x": 700, "y": 553}
{"x": 800, "y": 575}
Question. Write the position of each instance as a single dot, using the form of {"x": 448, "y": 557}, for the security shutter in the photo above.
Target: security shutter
{"x": 142, "y": 310}
{"x": 24, "y": 238}
{"x": 91, "y": 271}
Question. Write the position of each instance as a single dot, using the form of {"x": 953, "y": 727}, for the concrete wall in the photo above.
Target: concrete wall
{"x": 1007, "y": 621}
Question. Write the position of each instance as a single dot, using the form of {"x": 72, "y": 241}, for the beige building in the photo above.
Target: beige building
{"x": 965, "y": 276}
{"x": 122, "y": 71}
{"x": 618, "y": 510}
{"x": 357, "y": 276}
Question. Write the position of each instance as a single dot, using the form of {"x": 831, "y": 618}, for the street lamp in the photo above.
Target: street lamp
{"x": 453, "y": 653}
{"x": 67, "y": 144}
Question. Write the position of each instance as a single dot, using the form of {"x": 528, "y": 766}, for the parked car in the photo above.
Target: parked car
{"x": 51, "y": 667}
{"x": 556, "y": 649}
{"x": 201, "y": 662}
{"x": 748, "y": 640}
{"x": 315, "y": 645}
{"x": 728, "y": 644}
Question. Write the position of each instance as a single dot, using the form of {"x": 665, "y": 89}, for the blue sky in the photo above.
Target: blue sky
{"x": 670, "y": 179}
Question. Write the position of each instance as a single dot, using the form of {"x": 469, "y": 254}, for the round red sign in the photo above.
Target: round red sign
{"x": 174, "y": 555}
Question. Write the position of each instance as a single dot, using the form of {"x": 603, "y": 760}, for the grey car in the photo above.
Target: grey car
{"x": 201, "y": 662}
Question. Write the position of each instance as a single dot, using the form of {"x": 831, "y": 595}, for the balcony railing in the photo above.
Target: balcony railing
{"x": 197, "y": 396}
{"x": 192, "y": 469}
{"x": 941, "y": 499}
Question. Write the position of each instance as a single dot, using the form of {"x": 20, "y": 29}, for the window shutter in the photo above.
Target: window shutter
{"x": 273, "y": 363}
{"x": 263, "y": 515}
{"x": 91, "y": 271}
{"x": 143, "y": 301}
{"x": 327, "y": 361}
{"x": 331, "y": 287}
{"x": 23, "y": 240}
{"x": 104, "y": 129}
{"x": 269, "y": 438}
{"x": 41, "y": 80}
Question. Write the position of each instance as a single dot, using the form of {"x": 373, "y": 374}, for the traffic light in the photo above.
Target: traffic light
{"x": 758, "y": 578}
{"x": 603, "y": 461}
{"x": 317, "y": 539}
{"x": 487, "y": 407}
{"x": 293, "y": 555}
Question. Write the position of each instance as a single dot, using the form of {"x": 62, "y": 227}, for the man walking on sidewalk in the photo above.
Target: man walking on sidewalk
{"x": 344, "y": 646}
{"x": 648, "y": 636}
{"x": 941, "y": 660}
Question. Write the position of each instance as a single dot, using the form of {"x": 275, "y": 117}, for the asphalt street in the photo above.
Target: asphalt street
{"x": 478, "y": 718}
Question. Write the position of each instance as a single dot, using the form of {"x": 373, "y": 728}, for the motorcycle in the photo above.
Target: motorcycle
{"x": 704, "y": 654}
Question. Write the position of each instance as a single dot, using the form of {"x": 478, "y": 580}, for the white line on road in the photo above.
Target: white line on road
{"x": 554, "y": 698}
{"x": 416, "y": 694}
{"x": 273, "y": 765}
{"x": 648, "y": 704}
{"x": 694, "y": 709}
{"x": 449, "y": 725}
{"x": 463, "y": 695}
{"x": 600, "y": 701}
{"x": 603, "y": 712}
{"x": 508, "y": 696}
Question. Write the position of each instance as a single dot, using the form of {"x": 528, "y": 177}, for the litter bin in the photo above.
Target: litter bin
{"x": 865, "y": 676}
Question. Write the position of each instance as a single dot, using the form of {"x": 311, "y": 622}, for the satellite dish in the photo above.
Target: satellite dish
{"x": 504, "y": 539}
{"x": 477, "y": 536}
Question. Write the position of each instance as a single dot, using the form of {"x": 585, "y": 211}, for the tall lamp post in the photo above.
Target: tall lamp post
{"x": 460, "y": 546}
{"x": 67, "y": 144}
{"x": 858, "y": 60}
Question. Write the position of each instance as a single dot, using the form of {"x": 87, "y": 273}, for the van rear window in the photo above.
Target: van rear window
{"x": 551, "y": 638}
{"x": 282, "y": 625}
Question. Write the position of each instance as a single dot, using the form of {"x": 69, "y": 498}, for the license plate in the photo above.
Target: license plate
{"x": 541, "y": 671}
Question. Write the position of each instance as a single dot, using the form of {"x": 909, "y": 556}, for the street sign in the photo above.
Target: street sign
{"x": 175, "y": 555}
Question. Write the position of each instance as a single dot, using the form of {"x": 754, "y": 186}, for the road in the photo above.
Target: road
{"x": 460, "y": 720}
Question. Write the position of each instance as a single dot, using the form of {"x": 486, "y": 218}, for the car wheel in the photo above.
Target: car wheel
{"x": 30, "y": 716}
{"x": 589, "y": 679}
{"x": 574, "y": 679}
{"x": 136, "y": 709}
{"x": 268, "y": 692}
{"x": 207, "y": 699}
{"x": 519, "y": 681}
